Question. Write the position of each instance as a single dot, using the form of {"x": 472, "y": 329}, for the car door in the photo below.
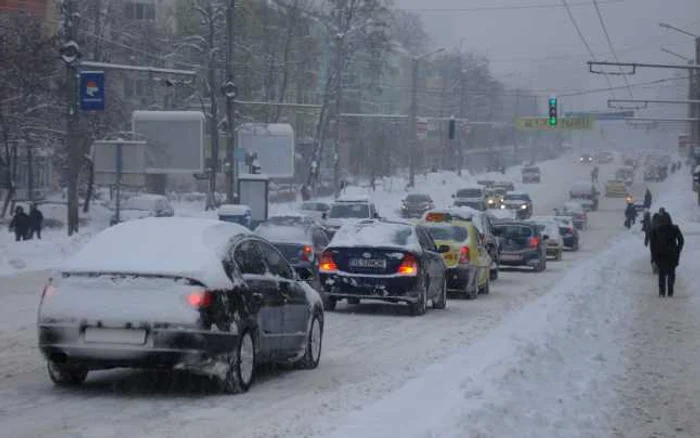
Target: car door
{"x": 434, "y": 264}
{"x": 295, "y": 304}
{"x": 248, "y": 255}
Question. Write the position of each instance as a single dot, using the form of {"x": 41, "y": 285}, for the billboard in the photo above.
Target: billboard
{"x": 274, "y": 145}
{"x": 175, "y": 140}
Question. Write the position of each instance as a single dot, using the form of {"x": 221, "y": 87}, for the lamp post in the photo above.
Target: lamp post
{"x": 414, "y": 113}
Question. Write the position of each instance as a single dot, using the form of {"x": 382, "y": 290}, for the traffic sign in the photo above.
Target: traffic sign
{"x": 602, "y": 115}
{"x": 422, "y": 128}
{"x": 543, "y": 124}
{"x": 92, "y": 90}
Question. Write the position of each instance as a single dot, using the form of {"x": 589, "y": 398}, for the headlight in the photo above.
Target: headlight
{"x": 490, "y": 201}
{"x": 503, "y": 207}
{"x": 523, "y": 206}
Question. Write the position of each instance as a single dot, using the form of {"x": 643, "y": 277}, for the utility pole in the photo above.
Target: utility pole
{"x": 230, "y": 91}
{"x": 412, "y": 124}
{"x": 462, "y": 115}
{"x": 214, "y": 109}
{"x": 695, "y": 87}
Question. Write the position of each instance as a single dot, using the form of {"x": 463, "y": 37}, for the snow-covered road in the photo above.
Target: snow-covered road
{"x": 369, "y": 351}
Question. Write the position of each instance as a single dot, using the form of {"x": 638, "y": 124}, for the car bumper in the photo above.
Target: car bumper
{"x": 553, "y": 250}
{"x": 458, "y": 278}
{"x": 412, "y": 212}
{"x": 569, "y": 241}
{"x": 521, "y": 258}
{"x": 162, "y": 348}
{"x": 388, "y": 288}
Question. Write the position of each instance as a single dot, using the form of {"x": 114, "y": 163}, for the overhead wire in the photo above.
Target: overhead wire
{"x": 505, "y": 7}
{"x": 610, "y": 44}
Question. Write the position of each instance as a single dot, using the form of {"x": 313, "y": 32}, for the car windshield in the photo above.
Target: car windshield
{"x": 469, "y": 193}
{"x": 516, "y": 197}
{"x": 531, "y": 170}
{"x": 448, "y": 232}
{"x": 349, "y": 211}
{"x": 418, "y": 198}
{"x": 314, "y": 206}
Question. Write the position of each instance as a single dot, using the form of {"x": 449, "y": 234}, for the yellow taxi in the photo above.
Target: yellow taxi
{"x": 615, "y": 188}
{"x": 468, "y": 261}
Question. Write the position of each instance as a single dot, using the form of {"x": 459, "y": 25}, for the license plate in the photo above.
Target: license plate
{"x": 115, "y": 336}
{"x": 368, "y": 263}
{"x": 510, "y": 257}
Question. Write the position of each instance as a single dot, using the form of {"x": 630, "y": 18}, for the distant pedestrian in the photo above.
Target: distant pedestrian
{"x": 630, "y": 215}
{"x": 647, "y": 199}
{"x": 666, "y": 246}
{"x": 20, "y": 224}
{"x": 594, "y": 174}
{"x": 36, "y": 221}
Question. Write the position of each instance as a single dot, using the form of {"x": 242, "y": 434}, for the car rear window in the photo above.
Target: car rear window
{"x": 515, "y": 231}
{"x": 376, "y": 234}
{"x": 516, "y": 197}
{"x": 349, "y": 210}
{"x": 448, "y": 232}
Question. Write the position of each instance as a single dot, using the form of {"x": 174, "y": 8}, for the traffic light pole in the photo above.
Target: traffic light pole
{"x": 412, "y": 124}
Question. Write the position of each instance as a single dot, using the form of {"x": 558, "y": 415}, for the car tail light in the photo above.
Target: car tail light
{"x": 327, "y": 263}
{"x": 464, "y": 255}
{"x": 200, "y": 299}
{"x": 408, "y": 266}
{"x": 533, "y": 242}
{"x": 49, "y": 291}
{"x": 307, "y": 253}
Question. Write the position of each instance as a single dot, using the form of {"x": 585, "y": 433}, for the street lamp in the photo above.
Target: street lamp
{"x": 677, "y": 55}
{"x": 414, "y": 113}
{"x": 685, "y": 32}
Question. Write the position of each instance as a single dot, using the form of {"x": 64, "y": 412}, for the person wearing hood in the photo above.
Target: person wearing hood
{"x": 630, "y": 215}
{"x": 647, "y": 199}
{"x": 36, "y": 221}
{"x": 666, "y": 246}
{"x": 20, "y": 224}
{"x": 648, "y": 224}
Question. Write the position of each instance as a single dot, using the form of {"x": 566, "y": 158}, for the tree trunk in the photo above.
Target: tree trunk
{"x": 291, "y": 27}
{"x": 30, "y": 172}
{"x": 90, "y": 185}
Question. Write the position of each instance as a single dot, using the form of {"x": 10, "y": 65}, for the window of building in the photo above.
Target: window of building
{"x": 140, "y": 10}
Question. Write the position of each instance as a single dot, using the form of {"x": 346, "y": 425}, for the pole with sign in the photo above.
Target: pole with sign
{"x": 92, "y": 90}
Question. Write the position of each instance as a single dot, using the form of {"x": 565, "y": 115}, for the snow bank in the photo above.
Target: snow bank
{"x": 542, "y": 373}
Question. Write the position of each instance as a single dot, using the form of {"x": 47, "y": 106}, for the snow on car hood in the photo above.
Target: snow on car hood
{"x": 185, "y": 247}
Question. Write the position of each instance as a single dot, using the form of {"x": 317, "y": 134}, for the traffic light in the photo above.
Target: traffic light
{"x": 553, "y": 111}
{"x": 452, "y": 129}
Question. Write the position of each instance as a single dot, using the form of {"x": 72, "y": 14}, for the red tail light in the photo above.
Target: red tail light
{"x": 534, "y": 242}
{"x": 307, "y": 253}
{"x": 408, "y": 266}
{"x": 464, "y": 255}
{"x": 327, "y": 263}
{"x": 200, "y": 299}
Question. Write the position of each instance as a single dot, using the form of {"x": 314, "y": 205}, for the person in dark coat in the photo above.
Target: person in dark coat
{"x": 20, "y": 224}
{"x": 666, "y": 246}
{"x": 648, "y": 224}
{"x": 36, "y": 221}
{"x": 630, "y": 215}
{"x": 647, "y": 199}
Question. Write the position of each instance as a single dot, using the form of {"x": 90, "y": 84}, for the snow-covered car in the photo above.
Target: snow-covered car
{"x": 568, "y": 232}
{"x": 585, "y": 159}
{"x": 500, "y": 215}
{"x": 301, "y": 241}
{"x": 522, "y": 244}
{"x": 585, "y": 193}
{"x": 201, "y": 295}
{"x": 349, "y": 210}
{"x": 415, "y": 204}
{"x": 576, "y": 212}
{"x": 554, "y": 243}
{"x": 604, "y": 157}
{"x": 494, "y": 197}
{"x": 473, "y": 197}
{"x": 531, "y": 174}
{"x": 388, "y": 261}
{"x": 615, "y": 188}
{"x": 508, "y": 186}
{"x": 635, "y": 196}
{"x": 626, "y": 174}
{"x": 520, "y": 202}
{"x": 316, "y": 209}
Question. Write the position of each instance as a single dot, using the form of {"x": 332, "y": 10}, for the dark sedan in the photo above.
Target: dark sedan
{"x": 415, "y": 204}
{"x": 193, "y": 294}
{"x": 522, "y": 244}
{"x": 387, "y": 261}
{"x": 302, "y": 243}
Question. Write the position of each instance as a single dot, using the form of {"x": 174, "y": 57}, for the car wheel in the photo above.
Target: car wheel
{"x": 241, "y": 366}
{"x": 421, "y": 306}
{"x": 312, "y": 355}
{"x": 440, "y": 302}
{"x": 472, "y": 293}
{"x": 329, "y": 303}
{"x": 66, "y": 375}
{"x": 354, "y": 301}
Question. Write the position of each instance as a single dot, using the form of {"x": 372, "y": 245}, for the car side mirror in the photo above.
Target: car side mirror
{"x": 324, "y": 216}
{"x": 304, "y": 274}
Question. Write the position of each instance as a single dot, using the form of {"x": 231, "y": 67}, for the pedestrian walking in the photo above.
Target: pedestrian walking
{"x": 594, "y": 174}
{"x": 630, "y": 215}
{"x": 647, "y": 199}
{"x": 666, "y": 246}
{"x": 648, "y": 224}
{"x": 20, "y": 224}
{"x": 36, "y": 221}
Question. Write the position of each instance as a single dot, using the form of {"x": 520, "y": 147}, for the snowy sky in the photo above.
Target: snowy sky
{"x": 519, "y": 41}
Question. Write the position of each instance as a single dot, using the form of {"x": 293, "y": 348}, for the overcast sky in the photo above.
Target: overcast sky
{"x": 519, "y": 41}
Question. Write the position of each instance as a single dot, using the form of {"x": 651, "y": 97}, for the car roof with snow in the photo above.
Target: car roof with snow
{"x": 377, "y": 233}
{"x": 233, "y": 209}
{"x": 573, "y": 206}
{"x": 175, "y": 246}
{"x": 354, "y": 198}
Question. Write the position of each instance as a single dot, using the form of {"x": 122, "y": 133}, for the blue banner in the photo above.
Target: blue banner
{"x": 92, "y": 90}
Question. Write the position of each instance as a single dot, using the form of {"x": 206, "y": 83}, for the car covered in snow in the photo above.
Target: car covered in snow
{"x": 531, "y": 174}
{"x": 415, "y": 204}
{"x": 472, "y": 197}
{"x": 300, "y": 239}
{"x": 389, "y": 261}
{"x": 576, "y": 212}
{"x": 317, "y": 210}
{"x": 586, "y": 193}
{"x": 350, "y": 210}
{"x": 604, "y": 157}
{"x": 468, "y": 261}
{"x": 585, "y": 158}
{"x": 507, "y": 186}
{"x": 142, "y": 206}
{"x": 199, "y": 295}
{"x": 494, "y": 197}
{"x": 520, "y": 202}
{"x": 635, "y": 196}
{"x": 626, "y": 174}
{"x": 554, "y": 243}
{"x": 522, "y": 244}
{"x": 567, "y": 230}
{"x": 615, "y": 188}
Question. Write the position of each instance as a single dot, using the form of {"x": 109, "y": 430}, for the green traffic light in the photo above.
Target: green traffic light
{"x": 552, "y": 121}
{"x": 552, "y": 102}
